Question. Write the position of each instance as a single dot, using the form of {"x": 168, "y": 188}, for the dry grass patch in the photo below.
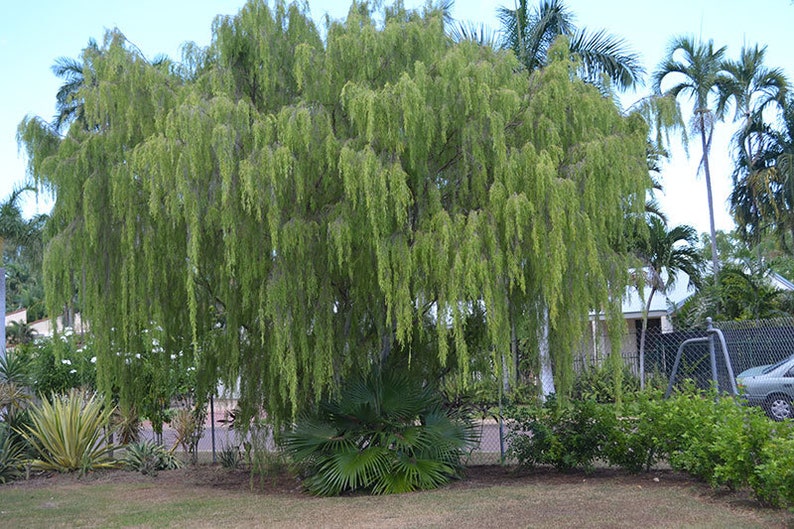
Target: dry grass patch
{"x": 204, "y": 497}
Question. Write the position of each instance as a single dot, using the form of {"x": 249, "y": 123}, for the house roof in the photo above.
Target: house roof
{"x": 676, "y": 295}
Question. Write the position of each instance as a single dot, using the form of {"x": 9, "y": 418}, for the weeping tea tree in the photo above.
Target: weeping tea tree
{"x": 291, "y": 208}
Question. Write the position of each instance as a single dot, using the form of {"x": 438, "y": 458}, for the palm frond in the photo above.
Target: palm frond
{"x": 357, "y": 440}
{"x": 479, "y": 34}
{"x": 605, "y": 55}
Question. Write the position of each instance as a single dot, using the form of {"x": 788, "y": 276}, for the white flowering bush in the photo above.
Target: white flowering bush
{"x": 60, "y": 363}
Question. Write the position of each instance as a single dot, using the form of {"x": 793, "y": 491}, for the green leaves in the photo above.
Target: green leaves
{"x": 384, "y": 434}
{"x": 291, "y": 217}
{"x": 71, "y": 433}
{"x": 148, "y": 457}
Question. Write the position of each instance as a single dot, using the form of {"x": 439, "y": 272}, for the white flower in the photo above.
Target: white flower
{"x": 127, "y": 361}
{"x": 173, "y": 357}
{"x": 155, "y": 342}
{"x": 138, "y": 356}
{"x": 66, "y": 362}
{"x": 191, "y": 368}
{"x": 73, "y": 371}
{"x": 93, "y": 359}
{"x": 68, "y": 331}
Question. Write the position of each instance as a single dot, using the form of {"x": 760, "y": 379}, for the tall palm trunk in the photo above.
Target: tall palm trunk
{"x": 706, "y": 170}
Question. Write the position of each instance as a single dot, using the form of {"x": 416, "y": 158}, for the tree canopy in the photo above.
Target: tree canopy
{"x": 287, "y": 208}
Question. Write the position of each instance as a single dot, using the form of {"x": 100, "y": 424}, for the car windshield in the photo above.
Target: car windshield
{"x": 775, "y": 366}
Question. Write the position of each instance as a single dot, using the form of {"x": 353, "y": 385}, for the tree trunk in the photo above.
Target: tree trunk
{"x": 642, "y": 337}
{"x": 546, "y": 373}
{"x": 713, "y": 231}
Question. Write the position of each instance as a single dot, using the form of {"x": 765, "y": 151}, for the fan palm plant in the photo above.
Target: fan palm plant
{"x": 384, "y": 434}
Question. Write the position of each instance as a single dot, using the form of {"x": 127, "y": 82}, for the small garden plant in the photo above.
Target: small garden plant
{"x": 71, "y": 433}
{"x": 383, "y": 434}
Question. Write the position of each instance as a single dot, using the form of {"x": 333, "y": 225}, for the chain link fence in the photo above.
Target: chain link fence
{"x": 748, "y": 344}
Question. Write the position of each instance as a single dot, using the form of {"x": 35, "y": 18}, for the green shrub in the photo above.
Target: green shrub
{"x": 71, "y": 433}
{"x": 740, "y": 435}
{"x": 632, "y": 445}
{"x": 685, "y": 431}
{"x": 148, "y": 457}
{"x": 773, "y": 479}
{"x": 12, "y": 455}
{"x": 382, "y": 434}
{"x": 58, "y": 364}
{"x": 530, "y": 435}
{"x": 597, "y": 383}
{"x": 567, "y": 437}
{"x": 230, "y": 457}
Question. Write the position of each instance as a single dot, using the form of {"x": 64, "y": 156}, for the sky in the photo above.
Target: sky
{"x": 35, "y": 33}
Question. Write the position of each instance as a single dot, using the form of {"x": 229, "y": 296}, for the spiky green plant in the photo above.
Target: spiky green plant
{"x": 13, "y": 369}
{"x": 128, "y": 424}
{"x": 230, "y": 457}
{"x": 71, "y": 433}
{"x": 11, "y": 455}
{"x": 382, "y": 434}
{"x": 148, "y": 457}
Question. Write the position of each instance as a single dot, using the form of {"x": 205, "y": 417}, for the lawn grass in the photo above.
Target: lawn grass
{"x": 184, "y": 499}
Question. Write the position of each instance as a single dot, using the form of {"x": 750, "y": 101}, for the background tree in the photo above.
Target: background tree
{"x": 753, "y": 88}
{"x": 762, "y": 199}
{"x": 292, "y": 210}
{"x": 17, "y": 235}
{"x": 696, "y": 74}
{"x": 530, "y": 33}
{"x": 664, "y": 254}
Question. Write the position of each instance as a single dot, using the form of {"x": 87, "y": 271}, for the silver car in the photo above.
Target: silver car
{"x": 771, "y": 387}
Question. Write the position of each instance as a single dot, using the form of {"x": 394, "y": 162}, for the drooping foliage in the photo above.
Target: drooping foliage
{"x": 287, "y": 207}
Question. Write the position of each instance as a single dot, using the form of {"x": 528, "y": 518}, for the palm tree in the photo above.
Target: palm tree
{"x": 13, "y": 227}
{"x": 663, "y": 255}
{"x": 69, "y": 103}
{"x": 753, "y": 88}
{"x": 530, "y": 33}
{"x": 697, "y": 75}
{"x": 763, "y": 194}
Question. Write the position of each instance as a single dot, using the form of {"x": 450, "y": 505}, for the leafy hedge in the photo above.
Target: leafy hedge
{"x": 714, "y": 439}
